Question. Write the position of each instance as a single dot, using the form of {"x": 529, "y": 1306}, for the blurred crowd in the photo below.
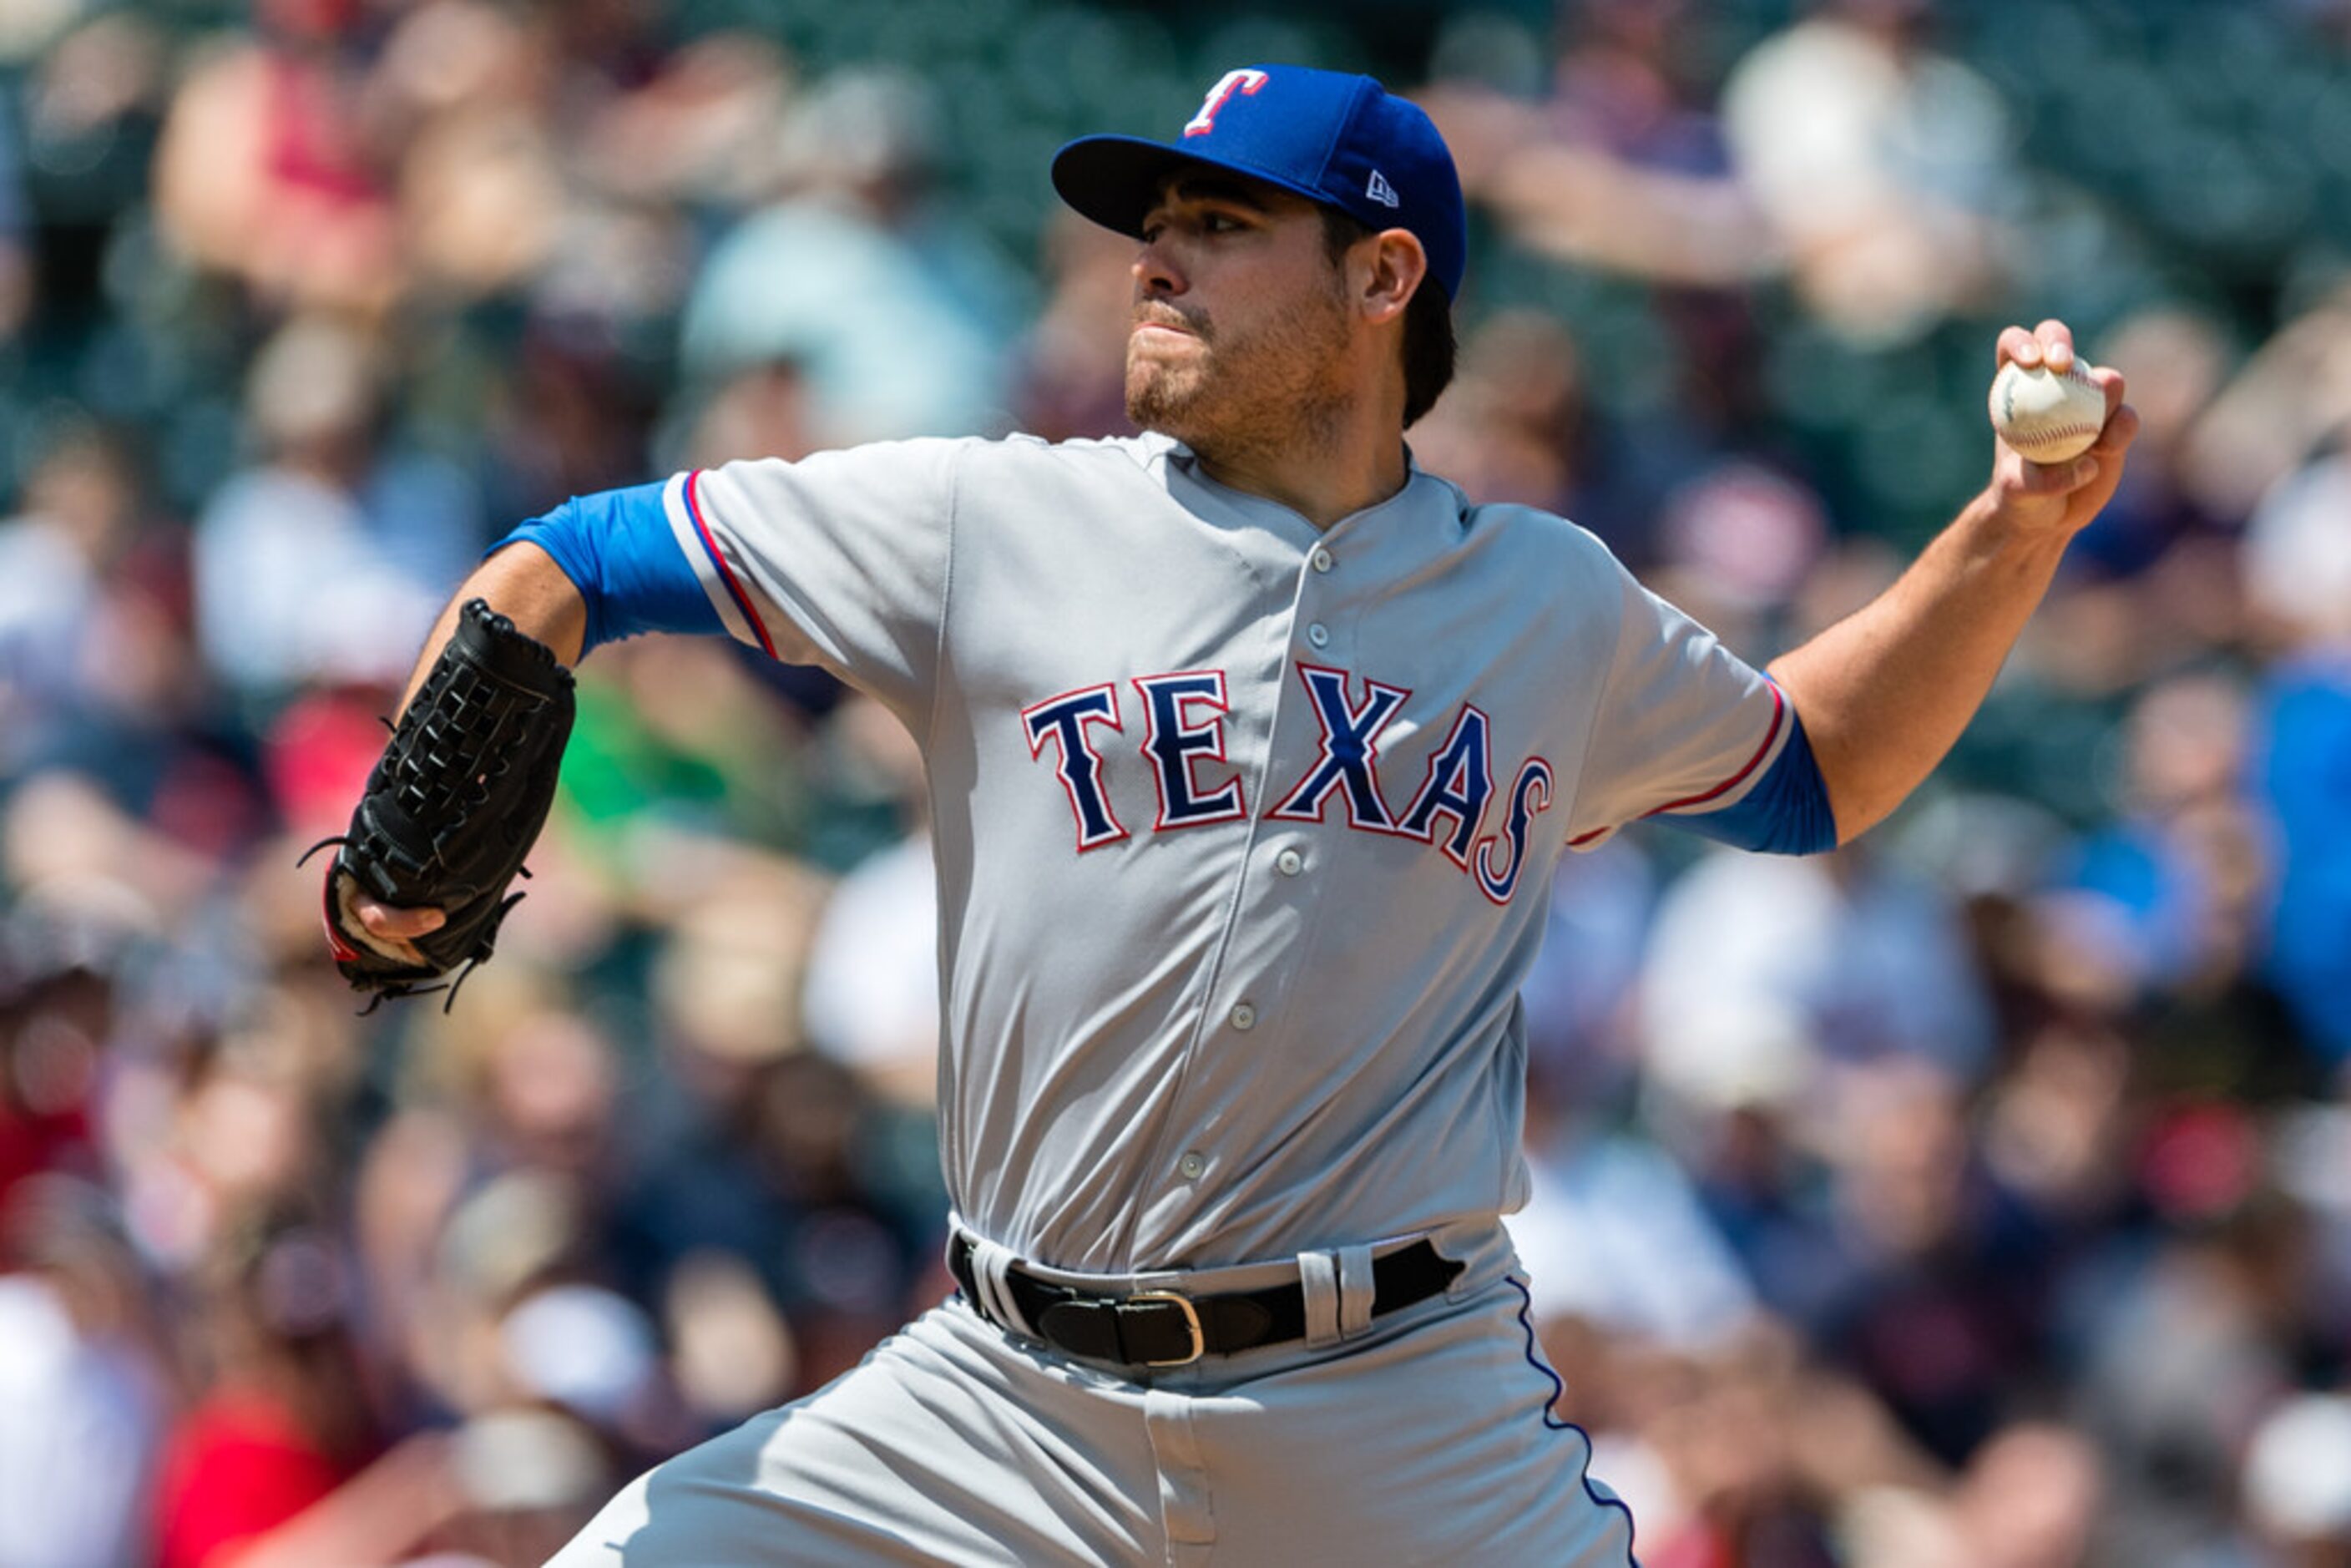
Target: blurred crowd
{"x": 1979, "y": 1195}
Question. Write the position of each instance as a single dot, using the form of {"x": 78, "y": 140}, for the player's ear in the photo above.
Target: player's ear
{"x": 1394, "y": 268}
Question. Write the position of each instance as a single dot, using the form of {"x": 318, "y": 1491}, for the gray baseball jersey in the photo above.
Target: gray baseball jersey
{"x": 1243, "y": 831}
{"x": 1243, "y": 828}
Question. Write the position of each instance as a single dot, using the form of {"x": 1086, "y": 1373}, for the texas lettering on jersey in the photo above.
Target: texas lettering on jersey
{"x": 1183, "y": 728}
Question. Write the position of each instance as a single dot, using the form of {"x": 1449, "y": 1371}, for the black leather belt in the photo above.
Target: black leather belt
{"x": 1168, "y": 1328}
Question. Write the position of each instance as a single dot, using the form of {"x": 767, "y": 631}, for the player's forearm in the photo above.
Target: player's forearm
{"x": 522, "y": 583}
{"x": 1884, "y": 692}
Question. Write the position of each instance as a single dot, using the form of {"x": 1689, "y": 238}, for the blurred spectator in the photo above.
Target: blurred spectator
{"x": 1940, "y": 1306}
{"x": 780, "y": 1159}
{"x": 1614, "y": 1234}
{"x": 268, "y": 171}
{"x": 2181, "y": 1359}
{"x": 1621, "y": 168}
{"x": 705, "y": 123}
{"x": 531, "y": 1477}
{"x": 2298, "y": 1480}
{"x": 84, "y": 1379}
{"x": 2056, "y": 1126}
{"x": 451, "y": 109}
{"x": 1073, "y": 377}
{"x": 733, "y": 1348}
{"x": 2298, "y": 554}
{"x": 57, "y": 1021}
{"x": 1737, "y": 544}
{"x": 2179, "y": 359}
{"x": 327, "y": 560}
{"x": 2030, "y": 1500}
{"x": 93, "y": 109}
{"x": 587, "y": 1351}
{"x": 1878, "y": 164}
{"x": 854, "y": 280}
{"x": 277, "y": 1462}
{"x": 1765, "y": 973}
{"x": 871, "y": 997}
{"x": 870, "y": 142}
{"x": 54, "y": 560}
{"x": 2289, "y": 403}
{"x": 1515, "y": 428}
{"x": 873, "y": 994}
{"x": 1582, "y": 1029}
{"x": 2153, "y": 586}
{"x": 2181, "y": 882}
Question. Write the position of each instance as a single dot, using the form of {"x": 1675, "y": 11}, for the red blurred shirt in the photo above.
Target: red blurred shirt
{"x": 238, "y": 1466}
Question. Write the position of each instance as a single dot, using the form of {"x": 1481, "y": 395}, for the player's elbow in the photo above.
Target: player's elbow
{"x": 1789, "y": 811}
{"x": 523, "y": 581}
{"x": 1859, "y": 792}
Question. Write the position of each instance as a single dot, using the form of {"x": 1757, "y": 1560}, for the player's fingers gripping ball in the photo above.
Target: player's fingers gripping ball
{"x": 2048, "y": 416}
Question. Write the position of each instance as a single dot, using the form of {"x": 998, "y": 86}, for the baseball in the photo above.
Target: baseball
{"x": 2047, "y": 417}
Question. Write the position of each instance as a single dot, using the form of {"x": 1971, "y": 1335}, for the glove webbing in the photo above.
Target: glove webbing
{"x": 442, "y": 766}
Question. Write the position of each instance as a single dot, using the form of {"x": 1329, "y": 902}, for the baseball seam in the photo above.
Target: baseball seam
{"x": 2042, "y": 439}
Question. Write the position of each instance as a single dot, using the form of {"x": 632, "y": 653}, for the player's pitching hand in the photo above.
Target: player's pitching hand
{"x": 389, "y": 928}
{"x": 2059, "y": 498}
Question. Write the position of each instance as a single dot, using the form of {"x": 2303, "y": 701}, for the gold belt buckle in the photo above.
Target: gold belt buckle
{"x": 1191, "y": 1321}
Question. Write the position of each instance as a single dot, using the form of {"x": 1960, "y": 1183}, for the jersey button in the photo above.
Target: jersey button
{"x": 1244, "y": 1016}
{"x": 1321, "y": 559}
{"x": 1318, "y": 635}
{"x": 1291, "y": 863}
{"x": 1191, "y": 1165}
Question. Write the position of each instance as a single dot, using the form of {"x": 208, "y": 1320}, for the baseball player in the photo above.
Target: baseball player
{"x": 1252, "y": 749}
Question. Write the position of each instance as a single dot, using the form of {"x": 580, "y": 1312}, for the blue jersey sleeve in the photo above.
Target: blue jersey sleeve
{"x": 1786, "y": 812}
{"x": 619, "y": 549}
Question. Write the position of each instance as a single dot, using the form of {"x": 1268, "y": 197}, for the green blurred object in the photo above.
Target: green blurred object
{"x": 618, "y": 768}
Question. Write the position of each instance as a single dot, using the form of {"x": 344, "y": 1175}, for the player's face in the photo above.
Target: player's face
{"x": 1240, "y": 328}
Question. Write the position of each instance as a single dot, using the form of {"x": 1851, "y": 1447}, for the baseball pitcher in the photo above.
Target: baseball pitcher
{"x": 1252, "y": 749}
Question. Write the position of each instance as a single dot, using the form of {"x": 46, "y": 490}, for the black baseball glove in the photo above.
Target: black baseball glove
{"x": 453, "y": 806}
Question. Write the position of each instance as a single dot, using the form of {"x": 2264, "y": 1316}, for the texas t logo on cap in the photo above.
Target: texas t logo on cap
{"x": 1342, "y": 140}
{"x": 1229, "y": 84}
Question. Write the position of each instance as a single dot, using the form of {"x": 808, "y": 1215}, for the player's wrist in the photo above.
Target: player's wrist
{"x": 2011, "y": 523}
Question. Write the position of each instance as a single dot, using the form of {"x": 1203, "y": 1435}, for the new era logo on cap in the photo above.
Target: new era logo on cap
{"x": 1342, "y": 140}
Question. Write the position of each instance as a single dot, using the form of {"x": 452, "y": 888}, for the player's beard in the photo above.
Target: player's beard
{"x": 1275, "y": 387}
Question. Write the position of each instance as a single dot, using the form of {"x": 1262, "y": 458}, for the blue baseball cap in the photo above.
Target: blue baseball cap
{"x": 1342, "y": 140}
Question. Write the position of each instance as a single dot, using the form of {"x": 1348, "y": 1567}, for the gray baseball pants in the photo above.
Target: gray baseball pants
{"x": 1424, "y": 1438}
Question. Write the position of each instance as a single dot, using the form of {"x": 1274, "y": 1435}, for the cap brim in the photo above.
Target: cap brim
{"x": 1115, "y": 180}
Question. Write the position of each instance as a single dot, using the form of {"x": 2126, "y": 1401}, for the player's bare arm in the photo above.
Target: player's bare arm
{"x": 522, "y": 583}
{"x": 1884, "y": 692}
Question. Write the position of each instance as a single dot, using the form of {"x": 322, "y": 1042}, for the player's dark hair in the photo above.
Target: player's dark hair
{"x": 1429, "y": 348}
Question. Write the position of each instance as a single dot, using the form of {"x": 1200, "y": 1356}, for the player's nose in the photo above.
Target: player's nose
{"x": 1157, "y": 272}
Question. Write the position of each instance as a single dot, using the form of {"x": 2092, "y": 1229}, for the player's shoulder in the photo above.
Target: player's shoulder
{"x": 1025, "y": 469}
{"x": 1143, "y": 453}
{"x": 1516, "y": 543}
{"x": 940, "y": 466}
{"x": 1535, "y": 533}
